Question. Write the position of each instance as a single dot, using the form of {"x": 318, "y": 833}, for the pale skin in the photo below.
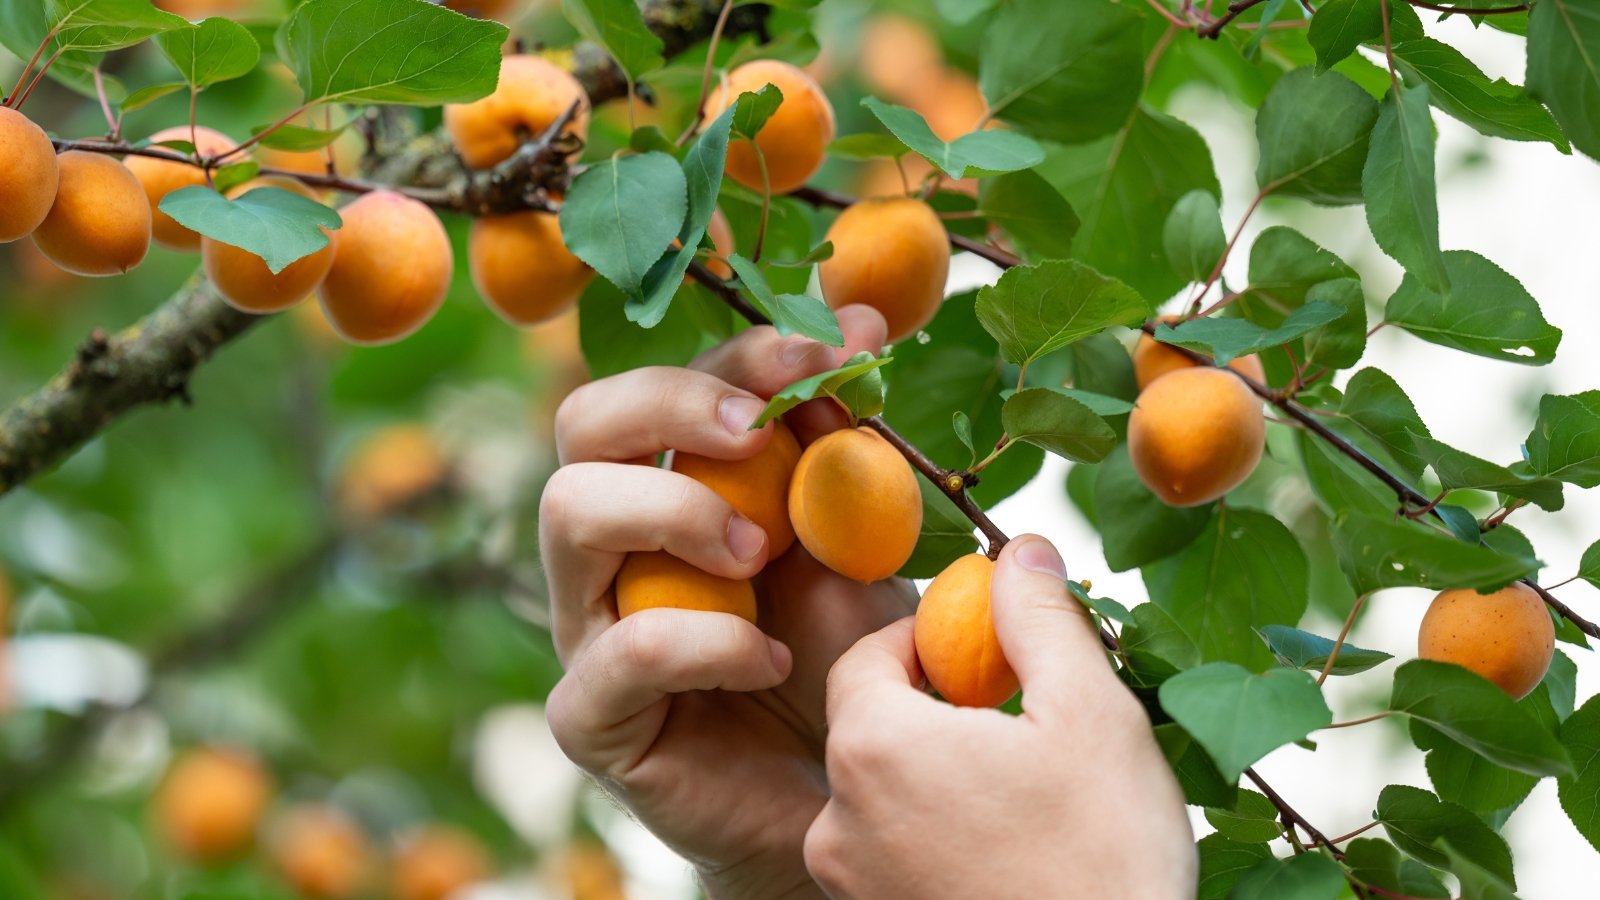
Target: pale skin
{"x": 736, "y": 746}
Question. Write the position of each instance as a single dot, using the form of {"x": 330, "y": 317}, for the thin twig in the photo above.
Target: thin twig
{"x": 1235, "y": 9}
{"x": 1289, "y": 813}
{"x": 1349, "y": 621}
{"x": 1463, "y": 11}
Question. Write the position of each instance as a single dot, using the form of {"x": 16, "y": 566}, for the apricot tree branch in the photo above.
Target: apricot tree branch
{"x": 1289, "y": 814}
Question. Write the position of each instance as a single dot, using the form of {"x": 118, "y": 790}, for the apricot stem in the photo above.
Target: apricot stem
{"x": 1363, "y": 720}
{"x": 1354, "y": 834}
{"x": 105, "y": 105}
{"x": 705, "y": 75}
{"x": 246, "y": 145}
{"x": 15, "y": 99}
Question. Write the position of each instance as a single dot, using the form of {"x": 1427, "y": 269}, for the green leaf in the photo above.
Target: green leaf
{"x": 1397, "y": 182}
{"x": 1341, "y": 343}
{"x": 1476, "y": 714}
{"x": 824, "y": 383}
{"x": 962, "y": 423}
{"x": 790, "y": 313}
{"x": 1486, "y": 312}
{"x": 753, "y": 108}
{"x": 106, "y": 24}
{"x": 213, "y": 51}
{"x": 1565, "y": 442}
{"x": 1197, "y": 775}
{"x": 1456, "y": 85}
{"x": 231, "y": 176}
{"x": 621, "y": 215}
{"x": 1223, "y": 861}
{"x": 1284, "y": 266}
{"x": 1245, "y": 570}
{"x": 1477, "y": 882}
{"x": 1417, "y": 820}
{"x": 297, "y": 138}
{"x": 1462, "y": 776}
{"x": 1041, "y": 58}
{"x": 1379, "y": 864}
{"x": 1564, "y": 67}
{"x": 1252, "y": 819}
{"x": 1396, "y": 552}
{"x": 1459, "y": 470}
{"x": 1226, "y": 338}
{"x": 1310, "y": 876}
{"x": 1059, "y": 424}
{"x": 868, "y": 146}
{"x": 618, "y": 26}
{"x": 947, "y": 535}
{"x": 1031, "y": 211}
{"x": 702, "y": 174}
{"x": 1589, "y": 566}
{"x": 407, "y": 52}
{"x": 23, "y": 28}
{"x": 862, "y": 396}
{"x": 147, "y": 95}
{"x": 1239, "y": 717}
{"x": 611, "y": 343}
{"x": 1105, "y": 607}
{"x": 1157, "y": 646}
{"x": 277, "y": 225}
{"x": 1143, "y": 529}
{"x": 1193, "y": 236}
{"x": 1376, "y": 404}
{"x": 1033, "y": 310}
{"x": 1580, "y": 792}
{"x": 1340, "y": 26}
{"x": 1099, "y": 404}
{"x": 1313, "y": 132}
{"x": 1302, "y": 650}
{"x": 981, "y": 152}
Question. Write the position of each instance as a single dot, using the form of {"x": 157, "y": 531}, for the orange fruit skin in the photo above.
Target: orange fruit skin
{"x": 436, "y": 862}
{"x": 898, "y": 55}
{"x": 347, "y": 151}
{"x": 161, "y": 177}
{"x": 1505, "y": 636}
{"x": 243, "y": 279}
{"x": 793, "y": 141}
{"x": 854, "y": 504}
{"x": 1153, "y": 359}
{"x": 29, "y": 177}
{"x": 657, "y": 579}
{"x": 499, "y": 10}
{"x": 956, "y": 640}
{"x": 1195, "y": 434}
{"x": 392, "y": 265}
{"x": 722, "y": 242}
{"x": 522, "y": 269}
{"x": 322, "y": 853}
{"x": 211, "y": 801}
{"x": 391, "y": 468}
{"x": 532, "y": 93}
{"x": 951, "y": 102}
{"x": 99, "y": 223}
{"x": 891, "y": 254}
{"x": 194, "y": 10}
{"x": 758, "y": 487}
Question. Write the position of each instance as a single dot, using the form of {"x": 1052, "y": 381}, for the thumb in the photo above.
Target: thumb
{"x": 1047, "y": 636}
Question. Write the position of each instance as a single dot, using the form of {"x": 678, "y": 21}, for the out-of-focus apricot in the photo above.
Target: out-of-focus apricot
{"x": 322, "y": 853}
{"x": 390, "y": 469}
{"x": 899, "y": 55}
{"x": 434, "y": 863}
{"x": 211, "y": 802}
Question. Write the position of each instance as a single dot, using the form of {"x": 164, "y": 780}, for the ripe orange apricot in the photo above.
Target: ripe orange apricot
{"x": 592, "y": 873}
{"x": 1153, "y": 359}
{"x": 722, "y": 243}
{"x": 321, "y": 852}
{"x": 955, "y": 636}
{"x": 1505, "y": 636}
{"x": 29, "y": 177}
{"x": 392, "y": 265}
{"x": 891, "y": 254}
{"x": 521, "y": 267}
{"x": 434, "y": 863}
{"x": 898, "y": 55}
{"x": 211, "y": 801}
{"x": 757, "y": 487}
{"x": 160, "y": 177}
{"x": 792, "y": 142}
{"x": 99, "y": 223}
{"x": 1195, "y": 434}
{"x": 532, "y": 93}
{"x": 657, "y": 579}
{"x": 390, "y": 469}
{"x": 854, "y": 504}
{"x": 243, "y": 279}
{"x": 346, "y": 148}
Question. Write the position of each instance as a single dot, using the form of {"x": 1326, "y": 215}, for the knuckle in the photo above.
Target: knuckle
{"x": 823, "y": 852}
{"x": 855, "y": 751}
{"x": 569, "y": 413}
{"x": 645, "y": 642}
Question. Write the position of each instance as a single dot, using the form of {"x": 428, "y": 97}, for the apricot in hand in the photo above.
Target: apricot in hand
{"x": 1505, "y": 636}
{"x": 1153, "y": 359}
{"x": 657, "y": 579}
{"x": 757, "y": 487}
{"x": 956, "y": 640}
{"x": 792, "y": 142}
{"x": 211, "y": 801}
{"x": 29, "y": 177}
{"x": 160, "y": 177}
{"x": 891, "y": 254}
{"x": 243, "y": 279}
{"x": 1195, "y": 434}
{"x": 533, "y": 92}
{"x": 522, "y": 269}
{"x": 391, "y": 269}
{"x": 99, "y": 223}
{"x": 855, "y": 505}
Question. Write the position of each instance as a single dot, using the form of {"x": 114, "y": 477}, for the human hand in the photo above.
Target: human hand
{"x": 1070, "y": 799}
{"x": 707, "y": 728}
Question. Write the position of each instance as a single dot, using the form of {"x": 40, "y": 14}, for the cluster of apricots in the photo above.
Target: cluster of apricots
{"x": 213, "y": 806}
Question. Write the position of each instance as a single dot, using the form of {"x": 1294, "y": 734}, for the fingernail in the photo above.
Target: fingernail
{"x": 1039, "y": 556}
{"x": 797, "y": 352}
{"x": 745, "y": 538}
{"x": 739, "y": 413}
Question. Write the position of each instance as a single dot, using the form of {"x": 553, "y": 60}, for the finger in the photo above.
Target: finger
{"x": 608, "y": 707}
{"x": 881, "y": 667}
{"x": 761, "y": 361}
{"x": 864, "y": 329}
{"x": 1046, "y": 635}
{"x": 646, "y": 411}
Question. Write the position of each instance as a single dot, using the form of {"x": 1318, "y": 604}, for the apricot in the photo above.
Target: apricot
{"x": 792, "y": 142}
{"x": 1505, "y": 636}
{"x": 951, "y": 102}
{"x": 28, "y": 179}
{"x": 854, "y": 504}
{"x": 521, "y": 267}
{"x": 346, "y": 150}
{"x": 391, "y": 469}
{"x": 657, "y": 579}
{"x": 321, "y": 852}
{"x": 99, "y": 223}
{"x": 592, "y": 873}
{"x": 160, "y": 177}
{"x": 898, "y": 56}
{"x": 243, "y": 279}
{"x": 1195, "y": 434}
{"x": 956, "y": 640}
{"x": 1153, "y": 359}
{"x": 722, "y": 244}
{"x": 532, "y": 93}
{"x": 392, "y": 266}
{"x": 436, "y": 862}
{"x": 499, "y": 10}
{"x": 758, "y": 487}
{"x": 891, "y": 254}
{"x": 211, "y": 801}
{"x": 194, "y": 10}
